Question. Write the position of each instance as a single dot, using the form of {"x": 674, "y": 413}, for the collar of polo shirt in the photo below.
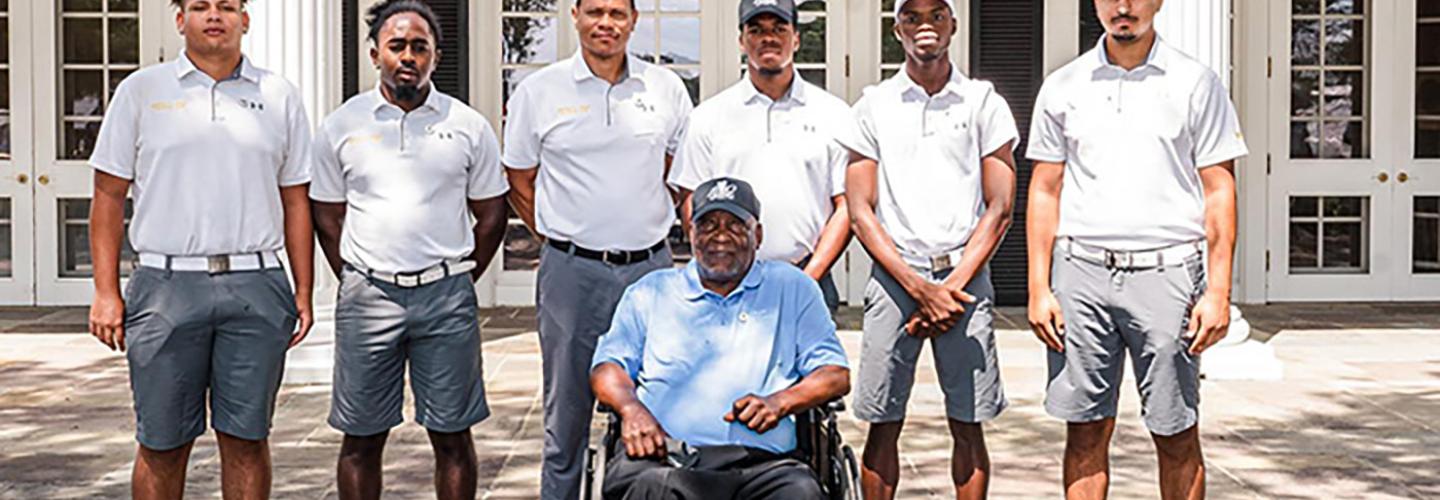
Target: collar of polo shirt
{"x": 953, "y": 86}
{"x": 432, "y": 101}
{"x": 796, "y": 92}
{"x": 582, "y": 72}
{"x": 1156, "y": 59}
{"x": 184, "y": 67}
{"x": 694, "y": 290}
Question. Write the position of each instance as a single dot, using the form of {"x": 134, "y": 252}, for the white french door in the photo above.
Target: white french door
{"x": 17, "y": 155}
{"x": 1354, "y": 118}
{"x": 80, "y": 50}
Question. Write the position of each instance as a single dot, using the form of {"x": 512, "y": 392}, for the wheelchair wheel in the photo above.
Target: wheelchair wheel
{"x": 851, "y": 477}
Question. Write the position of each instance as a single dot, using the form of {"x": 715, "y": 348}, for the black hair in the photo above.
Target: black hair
{"x": 180, "y": 4}
{"x": 381, "y": 12}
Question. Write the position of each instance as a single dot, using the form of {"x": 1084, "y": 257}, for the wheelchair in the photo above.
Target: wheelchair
{"x": 818, "y": 444}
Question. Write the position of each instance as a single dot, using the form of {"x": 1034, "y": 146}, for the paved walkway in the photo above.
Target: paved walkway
{"x": 1355, "y": 416}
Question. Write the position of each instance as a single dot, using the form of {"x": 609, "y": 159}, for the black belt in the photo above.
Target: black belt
{"x": 616, "y": 257}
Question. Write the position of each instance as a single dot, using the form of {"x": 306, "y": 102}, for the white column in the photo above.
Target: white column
{"x": 1200, "y": 28}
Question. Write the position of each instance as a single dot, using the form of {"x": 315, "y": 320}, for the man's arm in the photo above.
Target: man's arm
{"x": 522, "y": 195}
{"x": 1210, "y": 318}
{"x": 939, "y": 305}
{"x": 686, "y": 197}
{"x": 833, "y": 239}
{"x": 641, "y": 434}
{"x": 489, "y": 232}
{"x": 107, "y": 230}
{"x": 329, "y": 222}
{"x": 300, "y": 247}
{"x": 1042, "y": 217}
{"x": 760, "y": 414}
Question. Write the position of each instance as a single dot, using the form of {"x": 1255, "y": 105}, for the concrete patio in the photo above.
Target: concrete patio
{"x": 1353, "y": 417}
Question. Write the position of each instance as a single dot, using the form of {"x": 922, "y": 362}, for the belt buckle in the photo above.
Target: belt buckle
{"x": 940, "y": 262}
{"x": 613, "y": 257}
{"x": 405, "y": 280}
{"x": 217, "y": 264}
{"x": 1113, "y": 260}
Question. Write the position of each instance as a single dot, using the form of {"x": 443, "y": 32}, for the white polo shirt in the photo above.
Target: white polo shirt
{"x": 601, "y": 151}
{"x": 929, "y": 150}
{"x": 1132, "y": 143}
{"x": 785, "y": 149}
{"x": 207, "y": 158}
{"x": 405, "y": 179}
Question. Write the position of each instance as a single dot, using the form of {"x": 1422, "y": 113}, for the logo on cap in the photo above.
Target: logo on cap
{"x": 762, "y": 3}
{"x": 723, "y": 190}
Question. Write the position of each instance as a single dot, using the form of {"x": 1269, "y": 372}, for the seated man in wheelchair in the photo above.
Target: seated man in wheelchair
{"x": 707, "y": 364}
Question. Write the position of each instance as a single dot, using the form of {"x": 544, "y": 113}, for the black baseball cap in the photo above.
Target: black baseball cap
{"x": 728, "y": 194}
{"x": 784, "y": 9}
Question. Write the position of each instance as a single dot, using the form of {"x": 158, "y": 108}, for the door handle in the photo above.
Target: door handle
{"x": 1402, "y": 177}
{"x": 44, "y": 180}
{"x": 1383, "y": 177}
{"x": 22, "y": 178}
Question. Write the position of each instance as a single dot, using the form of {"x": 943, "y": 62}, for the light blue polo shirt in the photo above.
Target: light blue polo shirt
{"x": 693, "y": 352}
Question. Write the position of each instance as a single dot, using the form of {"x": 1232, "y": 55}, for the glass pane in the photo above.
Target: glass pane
{"x": 530, "y": 5}
{"x": 512, "y": 78}
{"x": 75, "y": 261}
{"x": 1344, "y": 245}
{"x": 5, "y": 135}
{"x": 1303, "y": 245}
{"x": 1427, "y": 139}
{"x": 125, "y": 41}
{"x": 1305, "y": 93}
{"x": 679, "y": 5}
{"x": 812, "y": 40}
{"x": 1305, "y": 6}
{"x": 814, "y": 76}
{"x": 1427, "y": 38}
{"x": 81, "y": 41}
{"x": 642, "y": 41}
{"x": 1344, "y": 42}
{"x": 1344, "y": 93}
{"x": 522, "y": 249}
{"x": 887, "y": 5}
{"x": 528, "y": 40}
{"x": 1304, "y": 206}
{"x": 81, "y": 5}
{"x": 1304, "y": 140}
{"x": 1345, "y": 6}
{"x": 1342, "y": 207}
{"x": 1427, "y": 94}
{"x": 7, "y": 260}
{"x": 1342, "y": 139}
{"x": 680, "y": 40}
{"x": 1305, "y": 43}
{"x": 83, "y": 92}
{"x": 886, "y": 73}
{"x": 116, "y": 77}
{"x": 1426, "y": 251}
{"x": 4, "y": 40}
{"x": 79, "y": 139}
{"x": 1428, "y": 8}
{"x": 124, "y": 5}
{"x": 4, "y": 91}
{"x": 890, "y": 49}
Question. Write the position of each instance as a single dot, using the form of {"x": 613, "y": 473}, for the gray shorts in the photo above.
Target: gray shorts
{"x": 189, "y": 334}
{"x": 965, "y": 357}
{"x": 1110, "y": 312}
{"x": 379, "y": 327}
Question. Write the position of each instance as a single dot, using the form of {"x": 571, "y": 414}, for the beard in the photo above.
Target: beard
{"x": 407, "y": 93}
{"x": 1125, "y": 37}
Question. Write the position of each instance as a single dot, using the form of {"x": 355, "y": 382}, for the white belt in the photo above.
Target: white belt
{"x": 420, "y": 278}
{"x": 213, "y": 264}
{"x": 1138, "y": 259}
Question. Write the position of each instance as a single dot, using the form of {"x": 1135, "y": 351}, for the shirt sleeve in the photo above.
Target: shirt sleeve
{"x": 118, "y": 146}
{"x": 816, "y": 342}
{"x": 858, "y": 133}
{"x": 1215, "y": 125}
{"x": 694, "y": 158}
{"x": 328, "y": 177}
{"x": 624, "y": 343}
{"x": 487, "y": 177}
{"x": 522, "y": 142}
{"x": 997, "y": 124}
{"x": 683, "y": 107}
{"x": 296, "y": 170}
{"x": 1047, "y": 130}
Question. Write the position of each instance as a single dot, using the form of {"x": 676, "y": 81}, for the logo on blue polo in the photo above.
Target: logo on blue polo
{"x": 723, "y": 190}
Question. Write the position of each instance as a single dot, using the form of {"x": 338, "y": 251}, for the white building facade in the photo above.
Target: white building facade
{"x": 1340, "y": 102}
